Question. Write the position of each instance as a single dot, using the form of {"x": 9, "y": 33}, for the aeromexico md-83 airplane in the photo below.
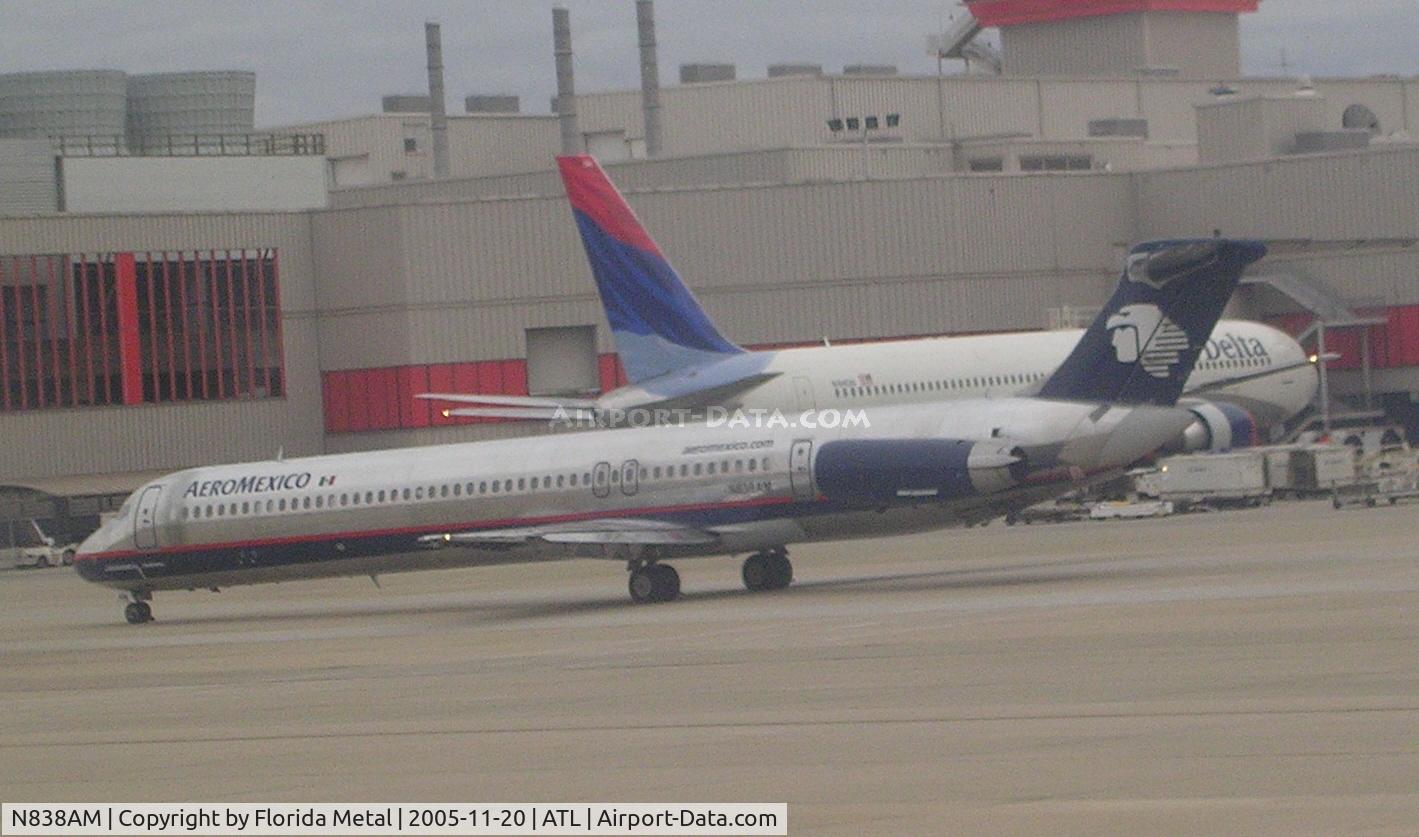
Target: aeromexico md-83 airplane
{"x": 648, "y": 495}
{"x": 1250, "y": 377}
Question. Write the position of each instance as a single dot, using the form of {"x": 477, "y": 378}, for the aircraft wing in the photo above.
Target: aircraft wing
{"x": 608, "y": 532}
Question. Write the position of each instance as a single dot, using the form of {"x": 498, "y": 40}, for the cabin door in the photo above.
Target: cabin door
{"x": 145, "y": 518}
{"x": 800, "y": 469}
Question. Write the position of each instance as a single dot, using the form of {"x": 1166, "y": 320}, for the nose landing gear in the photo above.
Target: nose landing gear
{"x": 769, "y": 570}
{"x": 137, "y": 611}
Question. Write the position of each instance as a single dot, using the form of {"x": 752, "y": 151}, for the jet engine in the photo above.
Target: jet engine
{"x": 1218, "y": 426}
{"x": 912, "y": 470}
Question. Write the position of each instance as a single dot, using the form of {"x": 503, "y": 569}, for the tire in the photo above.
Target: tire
{"x": 756, "y": 572}
{"x": 642, "y": 586}
{"x": 667, "y": 582}
{"x": 136, "y": 614}
{"x": 780, "y": 571}
{"x": 42, "y": 562}
{"x": 68, "y": 559}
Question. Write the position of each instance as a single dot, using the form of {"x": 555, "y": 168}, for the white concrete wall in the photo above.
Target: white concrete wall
{"x": 193, "y": 184}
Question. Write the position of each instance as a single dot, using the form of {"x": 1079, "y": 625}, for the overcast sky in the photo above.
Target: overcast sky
{"x": 318, "y": 59}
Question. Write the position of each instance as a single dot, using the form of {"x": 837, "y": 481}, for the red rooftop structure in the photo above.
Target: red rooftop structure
{"x": 1186, "y": 38}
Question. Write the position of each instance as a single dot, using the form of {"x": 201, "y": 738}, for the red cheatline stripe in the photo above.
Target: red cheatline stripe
{"x": 447, "y": 527}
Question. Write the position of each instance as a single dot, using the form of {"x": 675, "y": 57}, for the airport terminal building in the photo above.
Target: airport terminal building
{"x": 147, "y": 329}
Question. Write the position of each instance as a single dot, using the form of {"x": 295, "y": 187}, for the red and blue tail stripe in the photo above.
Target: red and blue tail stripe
{"x": 658, "y": 324}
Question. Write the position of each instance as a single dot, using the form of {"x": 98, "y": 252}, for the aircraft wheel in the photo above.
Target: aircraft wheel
{"x": 137, "y": 613}
{"x": 756, "y": 572}
{"x": 667, "y": 582}
{"x": 654, "y": 583}
{"x": 780, "y": 571}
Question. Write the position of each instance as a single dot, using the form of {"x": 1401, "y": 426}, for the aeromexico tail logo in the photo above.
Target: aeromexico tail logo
{"x": 1141, "y": 334}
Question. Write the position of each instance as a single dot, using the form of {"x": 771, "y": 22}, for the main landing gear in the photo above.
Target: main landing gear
{"x": 137, "y": 611}
{"x": 654, "y": 583}
{"x": 769, "y": 570}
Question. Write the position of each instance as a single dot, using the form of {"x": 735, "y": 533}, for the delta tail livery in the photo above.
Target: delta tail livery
{"x": 646, "y": 496}
{"x": 1251, "y": 376}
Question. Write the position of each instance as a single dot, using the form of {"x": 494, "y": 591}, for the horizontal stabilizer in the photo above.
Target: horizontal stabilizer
{"x": 508, "y": 400}
{"x": 576, "y": 414}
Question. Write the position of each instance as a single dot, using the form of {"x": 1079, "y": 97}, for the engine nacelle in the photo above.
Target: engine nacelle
{"x": 1219, "y": 426}
{"x": 912, "y": 470}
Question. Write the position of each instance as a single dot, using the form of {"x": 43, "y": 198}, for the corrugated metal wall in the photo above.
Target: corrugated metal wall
{"x": 1360, "y": 195}
{"x": 27, "y": 182}
{"x": 100, "y": 440}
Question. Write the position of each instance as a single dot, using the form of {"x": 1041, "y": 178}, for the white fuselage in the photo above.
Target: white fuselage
{"x": 737, "y": 488}
{"x": 1276, "y": 381}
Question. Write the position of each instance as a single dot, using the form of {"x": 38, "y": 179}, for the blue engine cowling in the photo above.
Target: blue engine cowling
{"x": 912, "y": 470}
{"x": 1219, "y": 426}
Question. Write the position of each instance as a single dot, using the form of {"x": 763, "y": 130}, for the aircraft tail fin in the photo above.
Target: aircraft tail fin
{"x": 1145, "y": 342}
{"x": 658, "y": 325}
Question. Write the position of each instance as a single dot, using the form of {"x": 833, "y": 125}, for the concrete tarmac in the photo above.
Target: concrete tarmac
{"x": 1226, "y": 673}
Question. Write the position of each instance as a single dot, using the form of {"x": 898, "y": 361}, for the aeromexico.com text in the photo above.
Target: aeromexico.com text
{"x": 713, "y": 417}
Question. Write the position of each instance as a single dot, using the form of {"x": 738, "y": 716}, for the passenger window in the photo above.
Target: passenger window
{"x": 697, "y": 469}
{"x": 495, "y": 487}
{"x": 709, "y": 468}
{"x": 534, "y": 484}
{"x": 738, "y": 466}
{"x": 521, "y": 484}
{"x": 381, "y": 495}
{"x": 507, "y": 486}
{"x": 443, "y": 491}
{"x": 483, "y": 487}
{"x": 766, "y": 463}
{"x": 306, "y": 503}
{"x": 560, "y": 478}
{"x": 753, "y": 464}
{"x": 245, "y": 507}
{"x": 319, "y": 502}
{"x": 616, "y": 477}
{"x": 572, "y": 480}
{"x": 684, "y": 470}
{"x": 418, "y": 493}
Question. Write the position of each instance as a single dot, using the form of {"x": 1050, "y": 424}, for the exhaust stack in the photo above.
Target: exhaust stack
{"x": 566, "y": 85}
{"x": 650, "y": 76}
{"x": 433, "y": 45}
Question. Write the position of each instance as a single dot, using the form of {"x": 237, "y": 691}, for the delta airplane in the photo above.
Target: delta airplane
{"x": 1251, "y": 376}
{"x": 647, "y": 495}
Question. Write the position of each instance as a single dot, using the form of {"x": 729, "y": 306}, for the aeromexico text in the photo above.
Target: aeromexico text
{"x": 1232, "y": 347}
{"x": 254, "y": 484}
